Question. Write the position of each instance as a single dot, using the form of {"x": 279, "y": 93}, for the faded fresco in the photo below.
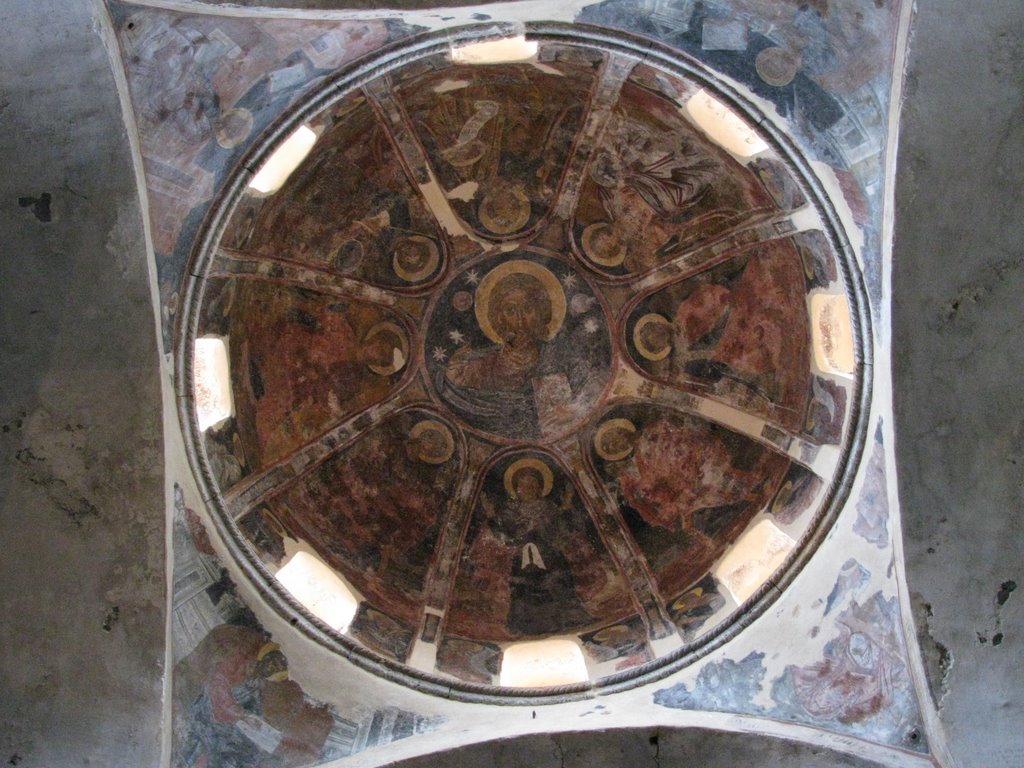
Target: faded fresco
{"x": 447, "y": 390}
{"x": 234, "y": 703}
{"x": 873, "y": 505}
{"x": 202, "y": 88}
{"x": 494, "y": 403}
{"x": 684, "y": 487}
{"x": 693, "y": 609}
{"x": 351, "y": 210}
{"x": 737, "y": 330}
{"x": 517, "y": 350}
{"x": 533, "y": 564}
{"x": 502, "y": 135}
{"x": 862, "y": 680}
{"x": 382, "y": 536}
{"x": 860, "y": 685}
{"x": 302, "y": 361}
{"x": 825, "y": 68}
{"x": 520, "y": 347}
{"x": 656, "y": 187}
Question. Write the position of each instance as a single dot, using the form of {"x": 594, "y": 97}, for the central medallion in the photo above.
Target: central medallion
{"x": 518, "y": 347}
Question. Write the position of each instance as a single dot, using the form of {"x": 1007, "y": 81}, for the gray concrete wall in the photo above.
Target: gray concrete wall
{"x": 81, "y": 461}
{"x": 958, "y": 357}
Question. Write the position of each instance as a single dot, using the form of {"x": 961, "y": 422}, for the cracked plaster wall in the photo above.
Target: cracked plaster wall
{"x": 81, "y": 460}
{"x": 957, "y": 358}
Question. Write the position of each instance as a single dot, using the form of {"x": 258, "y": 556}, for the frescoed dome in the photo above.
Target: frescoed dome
{"x": 558, "y": 347}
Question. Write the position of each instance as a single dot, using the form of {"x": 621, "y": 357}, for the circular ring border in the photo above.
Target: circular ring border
{"x": 358, "y": 74}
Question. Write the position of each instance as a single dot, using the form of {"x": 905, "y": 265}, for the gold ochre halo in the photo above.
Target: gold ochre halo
{"x": 434, "y": 426}
{"x": 414, "y": 276}
{"x": 519, "y": 267}
{"x": 646, "y": 352}
{"x": 607, "y": 427}
{"x": 514, "y": 218}
{"x": 396, "y": 365}
{"x": 535, "y": 464}
{"x": 612, "y": 259}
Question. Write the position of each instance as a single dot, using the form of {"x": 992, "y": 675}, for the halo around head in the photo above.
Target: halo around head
{"x": 547, "y": 478}
{"x": 401, "y": 355}
{"x": 408, "y": 272}
{"x": 519, "y": 267}
{"x": 603, "y": 431}
{"x": 447, "y": 447}
{"x": 641, "y": 346}
{"x": 607, "y": 251}
{"x": 504, "y": 210}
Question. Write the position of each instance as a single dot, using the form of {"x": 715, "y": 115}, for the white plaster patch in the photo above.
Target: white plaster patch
{"x": 451, "y": 85}
{"x": 507, "y": 49}
{"x": 314, "y": 584}
{"x": 286, "y": 158}
{"x": 723, "y": 125}
{"x": 211, "y": 375}
{"x": 544, "y": 663}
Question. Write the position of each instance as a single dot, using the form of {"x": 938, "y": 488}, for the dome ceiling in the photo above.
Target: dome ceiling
{"x": 527, "y": 350}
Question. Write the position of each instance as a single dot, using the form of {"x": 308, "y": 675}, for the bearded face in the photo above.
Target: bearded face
{"x": 521, "y": 310}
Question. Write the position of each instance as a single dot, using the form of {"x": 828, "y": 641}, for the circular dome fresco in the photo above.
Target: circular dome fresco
{"x": 519, "y": 368}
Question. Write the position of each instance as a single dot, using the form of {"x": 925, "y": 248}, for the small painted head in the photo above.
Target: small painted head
{"x": 430, "y": 442}
{"x": 271, "y": 663}
{"x": 528, "y": 484}
{"x": 618, "y": 442}
{"x": 656, "y": 337}
{"x": 504, "y": 208}
{"x": 384, "y": 349}
{"x": 415, "y": 258}
{"x": 604, "y": 244}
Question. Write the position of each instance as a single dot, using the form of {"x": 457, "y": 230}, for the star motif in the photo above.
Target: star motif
{"x": 472, "y": 277}
{"x": 456, "y": 336}
{"x": 440, "y": 354}
{"x": 569, "y": 280}
{"x": 590, "y": 325}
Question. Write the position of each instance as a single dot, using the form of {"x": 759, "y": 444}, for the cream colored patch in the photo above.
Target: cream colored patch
{"x": 753, "y": 559}
{"x": 451, "y": 85}
{"x": 543, "y": 663}
{"x": 723, "y": 125}
{"x": 464, "y": 192}
{"x": 832, "y": 332}
{"x": 438, "y": 204}
{"x": 734, "y": 418}
{"x": 507, "y": 49}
